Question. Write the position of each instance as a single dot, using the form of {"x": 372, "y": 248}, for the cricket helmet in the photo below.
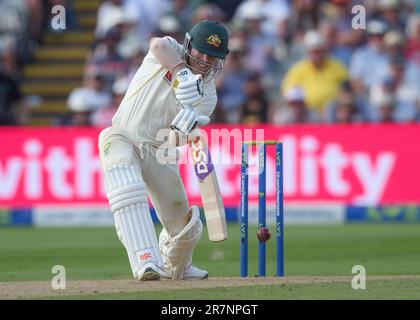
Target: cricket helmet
{"x": 210, "y": 38}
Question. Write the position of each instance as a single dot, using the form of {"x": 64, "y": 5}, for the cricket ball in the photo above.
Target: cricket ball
{"x": 263, "y": 234}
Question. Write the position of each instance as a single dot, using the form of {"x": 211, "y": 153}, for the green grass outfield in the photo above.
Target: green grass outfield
{"x": 28, "y": 254}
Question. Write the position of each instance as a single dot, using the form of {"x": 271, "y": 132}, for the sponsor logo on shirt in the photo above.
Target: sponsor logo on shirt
{"x": 168, "y": 77}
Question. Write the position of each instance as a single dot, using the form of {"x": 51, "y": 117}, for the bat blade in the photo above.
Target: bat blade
{"x": 211, "y": 197}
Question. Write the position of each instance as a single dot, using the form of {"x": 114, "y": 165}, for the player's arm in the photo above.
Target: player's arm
{"x": 188, "y": 87}
{"x": 166, "y": 53}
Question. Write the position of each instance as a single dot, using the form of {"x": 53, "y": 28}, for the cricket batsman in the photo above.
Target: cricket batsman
{"x": 173, "y": 88}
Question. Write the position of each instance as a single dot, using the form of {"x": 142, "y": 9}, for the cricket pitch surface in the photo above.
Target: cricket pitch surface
{"x": 43, "y": 289}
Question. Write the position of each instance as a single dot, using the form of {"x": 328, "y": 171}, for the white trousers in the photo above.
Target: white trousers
{"x": 131, "y": 173}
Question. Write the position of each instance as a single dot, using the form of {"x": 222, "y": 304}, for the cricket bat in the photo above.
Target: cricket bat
{"x": 211, "y": 197}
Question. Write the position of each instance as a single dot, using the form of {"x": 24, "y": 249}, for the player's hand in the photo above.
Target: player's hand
{"x": 188, "y": 87}
{"x": 186, "y": 120}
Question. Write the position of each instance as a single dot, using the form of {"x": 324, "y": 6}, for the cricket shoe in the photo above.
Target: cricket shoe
{"x": 149, "y": 272}
{"x": 191, "y": 273}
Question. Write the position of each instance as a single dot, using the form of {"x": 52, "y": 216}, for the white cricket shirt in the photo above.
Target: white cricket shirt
{"x": 149, "y": 103}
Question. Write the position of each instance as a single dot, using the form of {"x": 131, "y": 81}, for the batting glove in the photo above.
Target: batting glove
{"x": 186, "y": 120}
{"x": 188, "y": 87}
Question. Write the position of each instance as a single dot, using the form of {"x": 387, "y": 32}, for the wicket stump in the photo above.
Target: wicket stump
{"x": 262, "y": 207}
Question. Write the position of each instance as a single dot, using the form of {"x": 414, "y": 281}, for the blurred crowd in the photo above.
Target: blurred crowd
{"x": 290, "y": 61}
{"x": 21, "y": 25}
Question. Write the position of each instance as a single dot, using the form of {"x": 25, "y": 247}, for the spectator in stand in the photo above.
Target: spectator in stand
{"x": 8, "y": 55}
{"x": 16, "y": 43}
{"x": 403, "y": 83}
{"x": 394, "y": 42}
{"x": 81, "y": 104}
{"x": 36, "y": 17}
{"x": 276, "y": 13}
{"x": 273, "y": 11}
{"x": 336, "y": 50}
{"x": 10, "y": 99}
{"x": 230, "y": 84}
{"x": 406, "y": 75}
{"x": 129, "y": 38}
{"x": 95, "y": 83}
{"x": 384, "y": 108}
{"x": 391, "y": 13}
{"x": 295, "y": 110}
{"x": 318, "y": 75}
{"x": 339, "y": 13}
{"x": 84, "y": 101}
{"x": 134, "y": 54}
{"x": 102, "y": 117}
{"x": 110, "y": 13}
{"x": 369, "y": 63}
{"x": 169, "y": 25}
{"x": 345, "y": 111}
{"x": 227, "y": 7}
{"x": 208, "y": 11}
{"x": 305, "y": 14}
{"x": 267, "y": 25}
{"x": 148, "y": 13}
{"x": 259, "y": 45}
{"x": 284, "y": 50}
{"x": 106, "y": 60}
{"x": 288, "y": 49}
{"x": 348, "y": 107}
{"x": 255, "y": 107}
{"x": 412, "y": 50}
{"x": 182, "y": 10}
{"x": 21, "y": 24}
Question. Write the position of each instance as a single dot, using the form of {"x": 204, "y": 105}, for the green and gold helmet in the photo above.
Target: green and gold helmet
{"x": 210, "y": 38}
